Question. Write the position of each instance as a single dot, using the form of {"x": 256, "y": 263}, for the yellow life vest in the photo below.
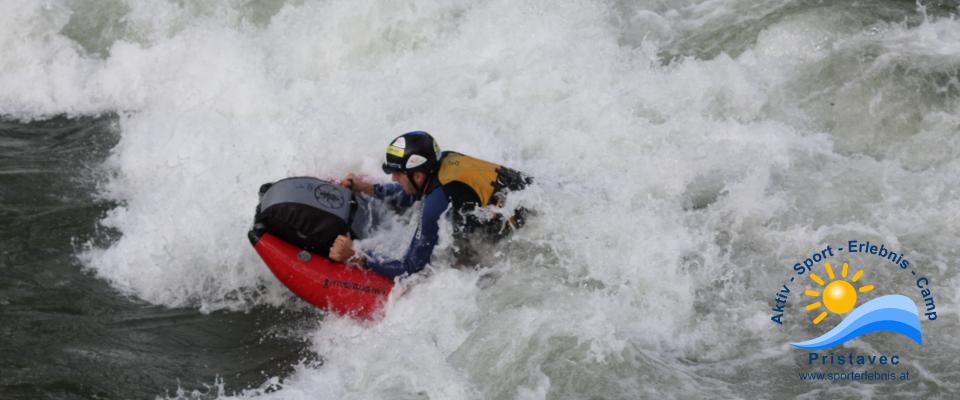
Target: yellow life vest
{"x": 479, "y": 175}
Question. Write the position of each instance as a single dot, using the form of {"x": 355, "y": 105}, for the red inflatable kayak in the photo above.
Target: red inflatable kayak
{"x": 329, "y": 285}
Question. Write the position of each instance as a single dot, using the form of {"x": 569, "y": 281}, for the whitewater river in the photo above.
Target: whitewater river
{"x": 695, "y": 161}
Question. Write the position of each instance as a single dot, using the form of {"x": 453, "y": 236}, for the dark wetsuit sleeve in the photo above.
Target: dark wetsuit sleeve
{"x": 393, "y": 195}
{"x": 421, "y": 247}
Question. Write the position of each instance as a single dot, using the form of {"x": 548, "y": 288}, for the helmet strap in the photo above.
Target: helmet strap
{"x": 413, "y": 182}
{"x": 420, "y": 189}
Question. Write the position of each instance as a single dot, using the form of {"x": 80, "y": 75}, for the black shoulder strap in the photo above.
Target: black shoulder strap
{"x": 353, "y": 211}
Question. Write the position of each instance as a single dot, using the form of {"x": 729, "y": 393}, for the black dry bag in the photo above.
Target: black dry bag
{"x": 309, "y": 213}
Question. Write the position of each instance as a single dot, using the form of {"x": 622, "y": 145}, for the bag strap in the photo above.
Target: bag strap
{"x": 354, "y": 205}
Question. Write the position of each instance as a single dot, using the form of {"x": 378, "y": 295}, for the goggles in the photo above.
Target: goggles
{"x": 390, "y": 168}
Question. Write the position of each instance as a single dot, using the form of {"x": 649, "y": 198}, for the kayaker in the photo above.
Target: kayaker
{"x": 420, "y": 172}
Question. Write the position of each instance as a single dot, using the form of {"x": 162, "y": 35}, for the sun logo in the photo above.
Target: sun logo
{"x": 839, "y": 296}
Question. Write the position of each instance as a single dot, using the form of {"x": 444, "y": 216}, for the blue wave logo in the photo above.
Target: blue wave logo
{"x": 891, "y": 313}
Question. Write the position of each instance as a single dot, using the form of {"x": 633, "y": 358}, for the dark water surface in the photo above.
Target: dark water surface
{"x": 65, "y": 333}
{"x": 688, "y": 153}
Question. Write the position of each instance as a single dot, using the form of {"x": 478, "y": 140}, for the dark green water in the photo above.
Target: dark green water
{"x": 690, "y": 152}
{"x": 66, "y": 334}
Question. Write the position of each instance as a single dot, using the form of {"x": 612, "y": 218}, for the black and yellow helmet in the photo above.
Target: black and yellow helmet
{"x": 412, "y": 152}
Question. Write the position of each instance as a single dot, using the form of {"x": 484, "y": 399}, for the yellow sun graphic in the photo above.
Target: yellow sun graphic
{"x": 839, "y": 296}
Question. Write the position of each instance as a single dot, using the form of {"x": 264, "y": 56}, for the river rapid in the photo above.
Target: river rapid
{"x": 688, "y": 156}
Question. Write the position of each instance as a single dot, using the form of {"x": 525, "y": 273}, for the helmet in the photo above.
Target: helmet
{"x": 412, "y": 152}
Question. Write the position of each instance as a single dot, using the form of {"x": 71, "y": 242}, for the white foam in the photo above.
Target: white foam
{"x": 669, "y": 195}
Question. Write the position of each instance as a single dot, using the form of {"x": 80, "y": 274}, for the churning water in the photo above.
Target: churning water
{"x": 687, "y": 154}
